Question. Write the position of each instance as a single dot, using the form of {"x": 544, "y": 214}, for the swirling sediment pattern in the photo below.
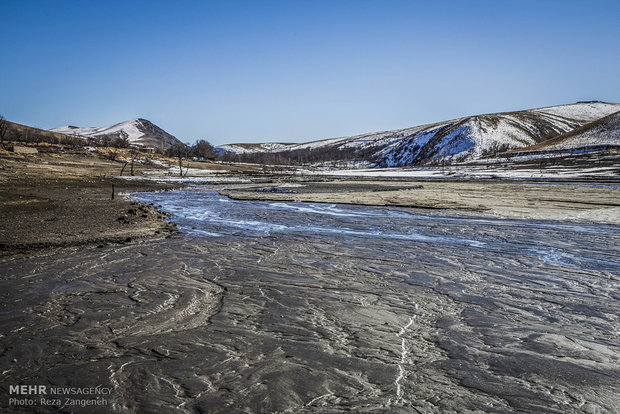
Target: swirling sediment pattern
{"x": 285, "y": 307}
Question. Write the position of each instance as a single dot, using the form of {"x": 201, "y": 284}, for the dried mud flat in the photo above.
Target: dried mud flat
{"x": 324, "y": 322}
{"x": 54, "y": 200}
{"x": 581, "y": 201}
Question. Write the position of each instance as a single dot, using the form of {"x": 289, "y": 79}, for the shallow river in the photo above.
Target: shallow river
{"x": 290, "y": 307}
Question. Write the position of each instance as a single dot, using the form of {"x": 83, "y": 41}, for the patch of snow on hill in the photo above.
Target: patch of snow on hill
{"x": 232, "y": 148}
{"x": 317, "y": 144}
{"x": 604, "y": 134}
{"x": 131, "y": 128}
{"x": 586, "y": 111}
{"x": 253, "y": 148}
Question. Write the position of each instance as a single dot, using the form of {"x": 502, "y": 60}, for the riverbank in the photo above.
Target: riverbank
{"x": 589, "y": 202}
{"x": 54, "y": 200}
{"x": 62, "y": 200}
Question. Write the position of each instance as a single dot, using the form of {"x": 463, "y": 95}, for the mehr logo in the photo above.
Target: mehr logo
{"x": 42, "y": 395}
{"x": 27, "y": 389}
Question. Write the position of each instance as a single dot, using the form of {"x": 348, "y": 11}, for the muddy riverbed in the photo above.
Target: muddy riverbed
{"x": 298, "y": 307}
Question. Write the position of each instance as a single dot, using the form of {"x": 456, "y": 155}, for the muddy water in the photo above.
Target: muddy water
{"x": 285, "y": 307}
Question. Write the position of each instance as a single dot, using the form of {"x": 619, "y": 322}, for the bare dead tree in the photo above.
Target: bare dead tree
{"x": 180, "y": 164}
{"x": 122, "y": 141}
{"x": 134, "y": 155}
{"x": 4, "y": 126}
{"x": 105, "y": 141}
{"x": 179, "y": 151}
{"x": 203, "y": 149}
{"x": 77, "y": 140}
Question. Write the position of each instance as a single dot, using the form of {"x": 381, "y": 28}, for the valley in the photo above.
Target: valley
{"x": 185, "y": 284}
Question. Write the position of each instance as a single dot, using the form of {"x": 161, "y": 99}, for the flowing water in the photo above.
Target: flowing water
{"x": 206, "y": 213}
{"x": 300, "y": 307}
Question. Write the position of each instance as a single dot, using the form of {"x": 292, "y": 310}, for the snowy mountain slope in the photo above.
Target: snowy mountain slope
{"x": 250, "y": 148}
{"x": 138, "y": 131}
{"x": 602, "y": 133}
{"x": 473, "y": 137}
{"x": 461, "y": 139}
{"x": 583, "y": 111}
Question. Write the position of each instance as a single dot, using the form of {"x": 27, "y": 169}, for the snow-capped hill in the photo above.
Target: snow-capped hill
{"x": 476, "y": 136}
{"x": 137, "y": 131}
{"x": 459, "y": 139}
{"x": 583, "y": 111}
{"x": 600, "y": 134}
{"x": 250, "y": 148}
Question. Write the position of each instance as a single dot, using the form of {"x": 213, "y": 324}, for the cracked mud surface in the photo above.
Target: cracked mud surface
{"x": 285, "y": 307}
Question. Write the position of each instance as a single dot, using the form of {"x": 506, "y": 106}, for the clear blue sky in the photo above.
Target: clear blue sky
{"x": 249, "y": 71}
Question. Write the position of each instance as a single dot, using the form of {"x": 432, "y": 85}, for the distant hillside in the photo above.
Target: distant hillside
{"x": 249, "y": 148}
{"x": 602, "y": 133}
{"x": 456, "y": 140}
{"x": 138, "y": 131}
{"x": 19, "y": 132}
